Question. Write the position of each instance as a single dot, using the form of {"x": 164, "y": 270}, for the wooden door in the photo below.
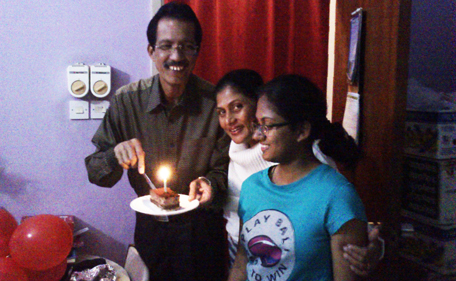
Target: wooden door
{"x": 383, "y": 86}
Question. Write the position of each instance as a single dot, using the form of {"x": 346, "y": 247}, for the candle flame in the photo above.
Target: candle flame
{"x": 164, "y": 173}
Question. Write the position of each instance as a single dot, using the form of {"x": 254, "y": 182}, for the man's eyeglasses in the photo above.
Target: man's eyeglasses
{"x": 264, "y": 129}
{"x": 186, "y": 49}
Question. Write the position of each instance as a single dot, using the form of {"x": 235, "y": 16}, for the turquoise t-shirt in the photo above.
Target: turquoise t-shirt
{"x": 287, "y": 229}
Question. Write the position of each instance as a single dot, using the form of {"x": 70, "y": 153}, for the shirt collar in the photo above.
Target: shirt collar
{"x": 190, "y": 98}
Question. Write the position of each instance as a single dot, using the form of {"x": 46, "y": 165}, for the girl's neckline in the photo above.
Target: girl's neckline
{"x": 271, "y": 173}
{"x": 273, "y": 169}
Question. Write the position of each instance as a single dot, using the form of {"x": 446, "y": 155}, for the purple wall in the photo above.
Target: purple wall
{"x": 41, "y": 150}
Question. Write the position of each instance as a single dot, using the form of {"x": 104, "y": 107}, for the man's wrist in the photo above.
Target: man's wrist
{"x": 206, "y": 180}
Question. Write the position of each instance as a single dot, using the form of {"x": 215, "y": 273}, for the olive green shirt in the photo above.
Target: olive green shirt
{"x": 186, "y": 137}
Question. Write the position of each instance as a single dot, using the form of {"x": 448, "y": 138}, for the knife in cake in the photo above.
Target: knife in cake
{"x": 151, "y": 184}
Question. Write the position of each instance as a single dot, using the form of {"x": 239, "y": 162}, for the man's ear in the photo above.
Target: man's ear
{"x": 150, "y": 51}
{"x": 303, "y": 131}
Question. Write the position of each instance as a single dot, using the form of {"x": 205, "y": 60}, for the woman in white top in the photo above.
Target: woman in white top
{"x": 236, "y": 105}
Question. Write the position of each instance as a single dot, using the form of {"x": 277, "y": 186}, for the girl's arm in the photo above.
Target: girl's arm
{"x": 352, "y": 232}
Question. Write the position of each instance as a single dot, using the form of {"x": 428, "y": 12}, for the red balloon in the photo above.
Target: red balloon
{"x": 41, "y": 242}
{"x": 7, "y": 226}
{"x": 4, "y": 249}
{"x": 7, "y": 223}
{"x": 10, "y": 271}
{"x": 53, "y": 274}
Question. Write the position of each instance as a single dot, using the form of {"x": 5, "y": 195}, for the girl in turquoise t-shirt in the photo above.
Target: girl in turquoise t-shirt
{"x": 297, "y": 216}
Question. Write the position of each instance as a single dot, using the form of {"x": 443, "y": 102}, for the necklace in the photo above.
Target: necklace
{"x": 271, "y": 173}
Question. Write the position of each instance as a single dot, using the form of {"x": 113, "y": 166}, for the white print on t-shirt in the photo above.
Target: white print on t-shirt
{"x": 269, "y": 239}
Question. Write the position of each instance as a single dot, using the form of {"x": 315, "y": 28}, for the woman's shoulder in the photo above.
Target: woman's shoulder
{"x": 328, "y": 177}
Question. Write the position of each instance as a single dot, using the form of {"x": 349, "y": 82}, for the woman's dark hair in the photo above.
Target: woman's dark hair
{"x": 178, "y": 11}
{"x": 298, "y": 100}
{"x": 244, "y": 81}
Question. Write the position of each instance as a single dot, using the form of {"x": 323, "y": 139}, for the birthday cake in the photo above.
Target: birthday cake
{"x": 166, "y": 200}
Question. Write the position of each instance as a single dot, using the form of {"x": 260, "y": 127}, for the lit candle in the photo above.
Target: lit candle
{"x": 164, "y": 174}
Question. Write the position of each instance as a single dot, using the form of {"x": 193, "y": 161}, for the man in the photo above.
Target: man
{"x": 170, "y": 119}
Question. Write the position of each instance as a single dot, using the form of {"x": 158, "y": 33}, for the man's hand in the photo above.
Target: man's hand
{"x": 363, "y": 260}
{"x": 201, "y": 190}
{"x": 130, "y": 154}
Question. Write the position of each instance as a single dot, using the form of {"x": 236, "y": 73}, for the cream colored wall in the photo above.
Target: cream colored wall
{"x": 331, "y": 46}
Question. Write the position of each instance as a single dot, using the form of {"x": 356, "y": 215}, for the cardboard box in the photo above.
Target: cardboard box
{"x": 431, "y": 247}
{"x": 429, "y": 190}
{"x": 431, "y": 134}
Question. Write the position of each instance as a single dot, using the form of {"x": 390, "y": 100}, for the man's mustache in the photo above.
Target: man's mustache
{"x": 175, "y": 63}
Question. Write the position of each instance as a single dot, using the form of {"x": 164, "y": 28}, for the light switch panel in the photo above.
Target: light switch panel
{"x": 100, "y": 80}
{"x": 78, "y": 80}
{"x": 98, "y": 109}
{"x": 79, "y": 109}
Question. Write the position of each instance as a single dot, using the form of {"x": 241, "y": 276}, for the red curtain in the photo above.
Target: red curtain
{"x": 273, "y": 37}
